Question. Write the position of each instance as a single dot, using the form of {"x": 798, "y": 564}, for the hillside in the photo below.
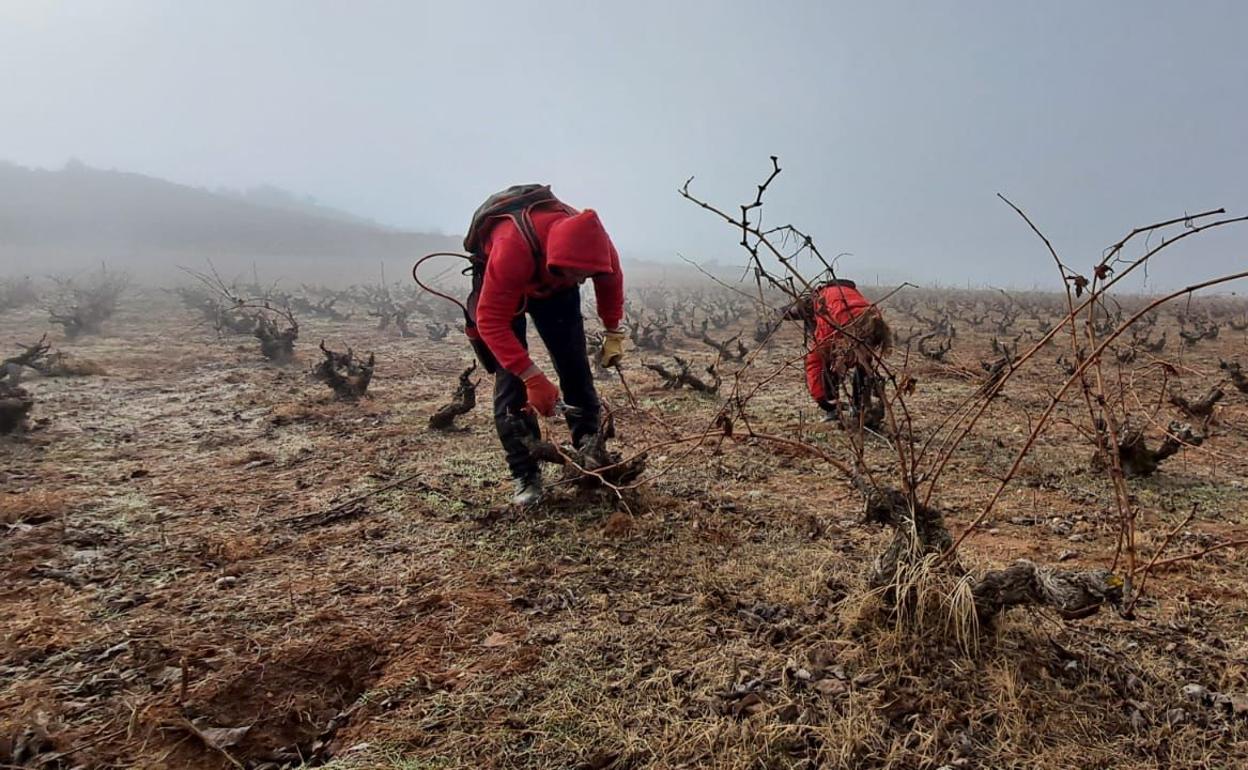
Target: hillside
{"x": 59, "y": 219}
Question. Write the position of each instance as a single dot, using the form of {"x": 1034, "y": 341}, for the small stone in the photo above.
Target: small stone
{"x": 129, "y": 600}
{"x": 1196, "y": 693}
{"x": 1235, "y": 705}
{"x": 1176, "y": 717}
{"x": 1067, "y": 555}
{"x": 1239, "y": 705}
{"x": 112, "y": 651}
{"x": 169, "y": 675}
{"x": 85, "y": 556}
{"x": 1059, "y": 527}
{"x": 222, "y": 583}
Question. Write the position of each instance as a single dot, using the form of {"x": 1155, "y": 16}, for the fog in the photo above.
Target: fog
{"x": 896, "y": 123}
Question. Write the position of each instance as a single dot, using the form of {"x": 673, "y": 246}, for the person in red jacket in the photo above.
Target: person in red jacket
{"x": 847, "y": 332}
{"x": 535, "y": 264}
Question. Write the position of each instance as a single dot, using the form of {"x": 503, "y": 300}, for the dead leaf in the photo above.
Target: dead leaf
{"x": 221, "y": 738}
{"x": 1236, "y": 705}
{"x": 831, "y": 687}
{"x": 618, "y": 524}
{"x": 901, "y": 706}
{"x": 600, "y": 761}
{"x": 866, "y": 679}
{"x": 749, "y": 705}
{"x": 497, "y": 639}
{"x": 32, "y": 742}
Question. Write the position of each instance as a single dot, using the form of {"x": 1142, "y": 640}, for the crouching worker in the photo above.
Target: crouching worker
{"x": 846, "y": 335}
{"x": 530, "y": 255}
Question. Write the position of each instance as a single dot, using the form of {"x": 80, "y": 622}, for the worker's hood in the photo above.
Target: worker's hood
{"x": 579, "y": 242}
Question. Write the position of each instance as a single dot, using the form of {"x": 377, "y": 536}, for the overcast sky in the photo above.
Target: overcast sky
{"x": 896, "y": 123}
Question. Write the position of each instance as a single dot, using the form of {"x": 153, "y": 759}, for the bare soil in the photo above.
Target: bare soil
{"x": 159, "y": 589}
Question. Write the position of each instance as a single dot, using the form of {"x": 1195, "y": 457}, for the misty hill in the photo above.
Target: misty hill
{"x": 80, "y": 215}
{"x": 278, "y": 198}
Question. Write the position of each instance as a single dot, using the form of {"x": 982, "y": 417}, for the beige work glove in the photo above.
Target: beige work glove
{"x": 612, "y": 348}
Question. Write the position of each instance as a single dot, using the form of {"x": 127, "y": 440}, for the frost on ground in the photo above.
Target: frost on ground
{"x": 209, "y": 561}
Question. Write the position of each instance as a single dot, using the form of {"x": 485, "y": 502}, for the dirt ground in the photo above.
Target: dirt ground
{"x": 165, "y": 606}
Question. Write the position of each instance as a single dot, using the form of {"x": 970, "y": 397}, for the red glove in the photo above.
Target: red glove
{"x": 542, "y": 394}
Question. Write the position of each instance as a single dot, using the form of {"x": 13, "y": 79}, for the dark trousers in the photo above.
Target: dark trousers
{"x": 860, "y": 387}
{"x": 561, "y": 326}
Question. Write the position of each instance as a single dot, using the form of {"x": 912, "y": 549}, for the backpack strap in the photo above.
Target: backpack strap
{"x": 516, "y": 203}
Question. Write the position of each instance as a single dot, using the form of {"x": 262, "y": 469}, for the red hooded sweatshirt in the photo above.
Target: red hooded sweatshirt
{"x": 835, "y": 307}
{"x": 513, "y": 275}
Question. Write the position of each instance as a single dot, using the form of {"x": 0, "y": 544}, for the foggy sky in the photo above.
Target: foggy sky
{"x": 896, "y": 123}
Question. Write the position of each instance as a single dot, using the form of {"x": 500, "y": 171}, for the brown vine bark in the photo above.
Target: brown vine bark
{"x": 592, "y": 464}
{"x": 347, "y": 377}
{"x": 919, "y": 531}
{"x": 15, "y": 404}
{"x": 462, "y": 401}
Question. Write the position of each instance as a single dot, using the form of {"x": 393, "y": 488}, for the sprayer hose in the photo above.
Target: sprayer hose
{"x": 435, "y": 292}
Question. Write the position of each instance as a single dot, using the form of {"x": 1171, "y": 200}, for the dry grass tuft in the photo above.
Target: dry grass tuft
{"x": 33, "y": 505}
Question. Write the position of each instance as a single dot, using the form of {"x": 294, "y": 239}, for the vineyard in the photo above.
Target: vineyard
{"x": 266, "y": 526}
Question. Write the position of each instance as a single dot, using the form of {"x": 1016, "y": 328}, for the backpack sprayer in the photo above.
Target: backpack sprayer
{"x": 515, "y": 203}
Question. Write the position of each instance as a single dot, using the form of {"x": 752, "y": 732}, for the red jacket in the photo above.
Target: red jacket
{"x": 834, "y": 307}
{"x": 513, "y": 275}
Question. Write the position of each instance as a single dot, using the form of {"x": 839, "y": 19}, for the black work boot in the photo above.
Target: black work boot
{"x": 594, "y": 451}
{"x": 528, "y": 490}
{"x": 831, "y": 411}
